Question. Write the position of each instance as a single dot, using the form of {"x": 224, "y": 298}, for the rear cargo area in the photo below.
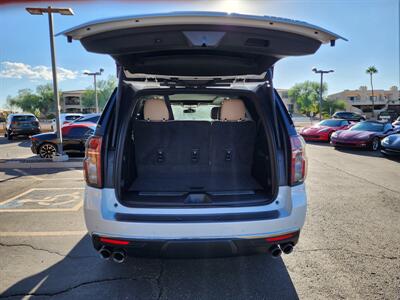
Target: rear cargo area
{"x": 195, "y": 152}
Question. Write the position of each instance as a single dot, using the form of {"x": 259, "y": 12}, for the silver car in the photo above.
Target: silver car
{"x": 195, "y": 153}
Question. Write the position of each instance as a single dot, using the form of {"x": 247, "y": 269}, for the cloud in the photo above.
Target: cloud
{"x": 21, "y": 71}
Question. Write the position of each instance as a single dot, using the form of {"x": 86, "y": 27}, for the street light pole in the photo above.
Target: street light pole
{"x": 63, "y": 11}
{"x": 320, "y": 87}
{"x": 94, "y": 74}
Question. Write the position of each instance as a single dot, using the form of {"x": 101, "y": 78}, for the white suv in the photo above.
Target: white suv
{"x": 195, "y": 153}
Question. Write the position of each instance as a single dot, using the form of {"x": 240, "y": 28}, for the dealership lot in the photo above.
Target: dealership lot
{"x": 350, "y": 245}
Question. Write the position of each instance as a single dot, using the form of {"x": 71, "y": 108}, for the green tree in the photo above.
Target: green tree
{"x": 38, "y": 103}
{"x": 104, "y": 91}
{"x": 306, "y": 96}
{"x": 371, "y": 71}
{"x": 331, "y": 106}
{"x": 46, "y": 101}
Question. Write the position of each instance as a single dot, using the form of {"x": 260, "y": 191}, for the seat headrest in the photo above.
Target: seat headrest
{"x": 155, "y": 110}
{"x": 233, "y": 110}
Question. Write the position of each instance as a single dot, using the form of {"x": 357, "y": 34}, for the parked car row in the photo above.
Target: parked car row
{"x": 74, "y": 136}
{"x": 372, "y": 135}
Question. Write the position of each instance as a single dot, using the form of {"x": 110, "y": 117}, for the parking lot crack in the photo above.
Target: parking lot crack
{"x": 350, "y": 251}
{"x": 69, "y": 289}
{"x": 356, "y": 176}
{"x": 159, "y": 280}
{"x": 44, "y": 250}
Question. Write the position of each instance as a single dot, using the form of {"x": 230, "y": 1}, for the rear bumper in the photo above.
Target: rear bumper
{"x": 101, "y": 209}
{"x": 195, "y": 247}
{"x": 24, "y": 131}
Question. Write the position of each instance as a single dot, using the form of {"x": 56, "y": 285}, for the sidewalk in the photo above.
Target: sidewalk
{"x": 36, "y": 163}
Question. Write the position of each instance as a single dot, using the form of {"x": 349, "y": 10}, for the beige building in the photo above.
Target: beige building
{"x": 289, "y": 103}
{"x": 71, "y": 102}
{"x": 361, "y": 99}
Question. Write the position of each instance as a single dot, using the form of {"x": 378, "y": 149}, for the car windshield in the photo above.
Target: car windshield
{"x": 368, "y": 126}
{"x": 24, "y": 118}
{"x": 92, "y": 119}
{"x": 331, "y": 123}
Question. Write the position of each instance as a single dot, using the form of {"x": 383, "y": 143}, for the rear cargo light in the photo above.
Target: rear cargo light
{"x": 92, "y": 162}
{"x": 298, "y": 160}
{"x": 280, "y": 237}
{"x": 113, "y": 241}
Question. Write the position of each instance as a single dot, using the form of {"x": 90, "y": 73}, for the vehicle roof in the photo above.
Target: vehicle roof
{"x": 101, "y": 25}
{"x": 88, "y": 124}
{"x": 22, "y": 114}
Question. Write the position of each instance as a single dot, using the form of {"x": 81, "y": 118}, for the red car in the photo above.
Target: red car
{"x": 367, "y": 134}
{"x": 324, "y": 129}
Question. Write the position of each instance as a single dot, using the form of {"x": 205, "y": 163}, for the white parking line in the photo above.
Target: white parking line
{"x": 47, "y": 179}
{"x": 75, "y": 208}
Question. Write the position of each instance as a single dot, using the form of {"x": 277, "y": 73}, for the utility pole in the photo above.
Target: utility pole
{"x": 322, "y": 72}
{"x": 66, "y": 12}
{"x": 94, "y": 74}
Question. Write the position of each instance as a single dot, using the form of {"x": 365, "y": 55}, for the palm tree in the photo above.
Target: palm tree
{"x": 371, "y": 71}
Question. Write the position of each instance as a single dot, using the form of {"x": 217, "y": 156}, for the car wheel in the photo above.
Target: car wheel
{"x": 9, "y": 136}
{"x": 47, "y": 150}
{"x": 329, "y": 137}
{"x": 375, "y": 144}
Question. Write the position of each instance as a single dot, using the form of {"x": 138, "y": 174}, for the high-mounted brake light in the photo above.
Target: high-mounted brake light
{"x": 298, "y": 160}
{"x": 92, "y": 162}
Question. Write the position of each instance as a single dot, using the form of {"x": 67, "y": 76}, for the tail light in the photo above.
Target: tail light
{"x": 92, "y": 162}
{"x": 281, "y": 237}
{"x": 298, "y": 160}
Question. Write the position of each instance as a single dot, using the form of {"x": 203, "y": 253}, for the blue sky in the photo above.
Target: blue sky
{"x": 372, "y": 27}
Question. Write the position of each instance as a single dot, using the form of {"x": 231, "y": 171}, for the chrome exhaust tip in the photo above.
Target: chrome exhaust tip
{"x": 105, "y": 253}
{"x": 275, "y": 251}
{"x": 287, "y": 248}
{"x": 119, "y": 256}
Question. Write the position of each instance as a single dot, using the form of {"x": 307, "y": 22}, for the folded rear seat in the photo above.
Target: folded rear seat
{"x": 170, "y": 152}
{"x": 232, "y": 141}
{"x": 193, "y": 156}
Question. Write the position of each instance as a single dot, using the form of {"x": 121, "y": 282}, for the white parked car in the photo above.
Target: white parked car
{"x": 196, "y": 153}
{"x": 65, "y": 119}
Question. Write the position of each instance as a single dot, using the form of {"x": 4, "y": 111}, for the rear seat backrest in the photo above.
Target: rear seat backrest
{"x": 233, "y": 110}
{"x": 155, "y": 110}
{"x": 232, "y": 140}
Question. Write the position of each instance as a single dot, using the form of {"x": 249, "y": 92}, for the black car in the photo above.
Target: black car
{"x": 390, "y": 145}
{"x": 74, "y": 139}
{"x": 21, "y": 124}
{"x": 351, "y": 116}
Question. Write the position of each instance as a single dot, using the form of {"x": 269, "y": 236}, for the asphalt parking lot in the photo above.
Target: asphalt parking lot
{"x": 349, "y": 247}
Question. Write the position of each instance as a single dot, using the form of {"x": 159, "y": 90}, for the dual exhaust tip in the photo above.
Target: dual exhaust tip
{"x": 276, "y": 250}
{"x": 118, "y": 256}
